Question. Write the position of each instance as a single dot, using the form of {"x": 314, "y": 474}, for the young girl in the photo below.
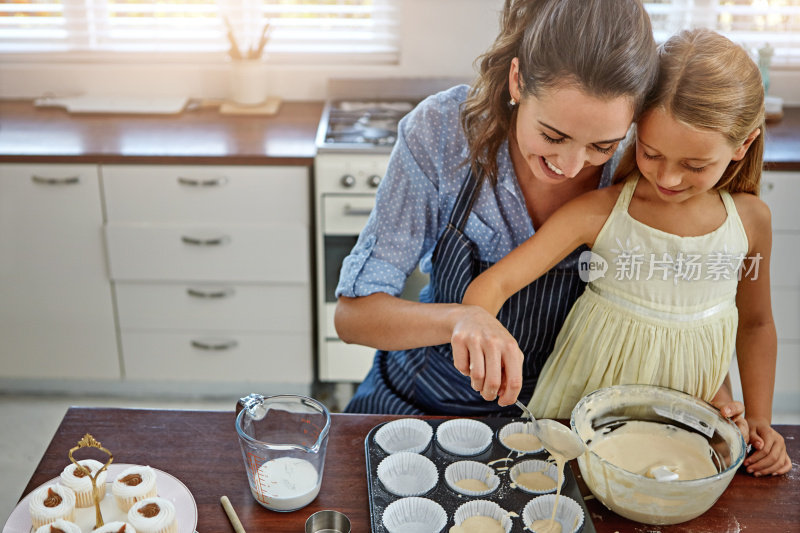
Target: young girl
{"x": 678, "y": 245}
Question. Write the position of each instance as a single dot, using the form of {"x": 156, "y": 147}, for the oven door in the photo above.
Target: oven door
{"x": 343, "y": 216}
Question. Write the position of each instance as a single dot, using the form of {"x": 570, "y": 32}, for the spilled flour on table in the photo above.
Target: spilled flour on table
{"x": 725, "y": 524}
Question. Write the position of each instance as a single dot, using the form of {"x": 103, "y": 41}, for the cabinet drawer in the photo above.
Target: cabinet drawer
{"x": 254, "y": 308}
{"x": 208, "y": 194}
{"x": 784, "y": 268}
{"x": 345, "y": 362}
{"x": 230, "y": 253}
{"x": 786, "y": 313}
{"x": 787, "y": 375}
{"x": 163, "y": 356}
{"x": 781, "y": 191}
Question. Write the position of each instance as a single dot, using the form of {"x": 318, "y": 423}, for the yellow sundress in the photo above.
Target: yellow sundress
{"x": 663, "y": 312}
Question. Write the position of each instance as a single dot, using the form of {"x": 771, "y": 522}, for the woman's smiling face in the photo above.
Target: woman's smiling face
{"x": 564, "y": 133}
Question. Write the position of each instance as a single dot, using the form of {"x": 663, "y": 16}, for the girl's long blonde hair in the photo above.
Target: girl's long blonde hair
{"x": 710, "y": 83}
{"x": 603, "y": 47}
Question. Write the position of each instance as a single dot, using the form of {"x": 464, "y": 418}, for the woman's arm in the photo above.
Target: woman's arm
{"x": 756, "y": 342}
{"x": 390, "y": 323}
{"x": 387, "y": 322}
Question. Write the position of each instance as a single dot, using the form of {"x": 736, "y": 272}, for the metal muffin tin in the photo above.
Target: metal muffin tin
{"x": 510, "y": 499}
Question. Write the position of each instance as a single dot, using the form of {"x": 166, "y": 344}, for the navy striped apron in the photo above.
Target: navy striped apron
{"x": 424, "y": 380}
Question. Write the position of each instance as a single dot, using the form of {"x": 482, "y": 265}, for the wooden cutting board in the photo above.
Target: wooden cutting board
{"x": 155, "y": 105}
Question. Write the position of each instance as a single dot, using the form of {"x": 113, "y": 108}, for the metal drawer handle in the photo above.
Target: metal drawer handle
{"x": 192, "y": 182}
{"x": 212, "y": 293}
{"x": 214, "y": 345}
{"x": 69, "y": 180}
{"x": 199, "y": 241}
{"x": 351, "y": 211}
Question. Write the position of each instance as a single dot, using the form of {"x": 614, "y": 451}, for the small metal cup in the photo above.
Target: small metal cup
{"x": 328, "y": 522}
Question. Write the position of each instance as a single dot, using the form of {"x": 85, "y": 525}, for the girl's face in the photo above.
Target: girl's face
{"x": 564, "y": 133}
{"x": 680, "y": 161}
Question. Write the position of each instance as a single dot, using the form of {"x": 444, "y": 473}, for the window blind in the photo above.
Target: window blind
{"x": 356, "y": 29}
{"x": 752, "y": 23}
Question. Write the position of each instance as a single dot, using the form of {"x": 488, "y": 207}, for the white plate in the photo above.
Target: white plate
{"x": 169, "y": 487}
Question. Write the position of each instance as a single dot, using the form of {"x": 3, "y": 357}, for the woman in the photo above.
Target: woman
{"x": 472, "y": 175}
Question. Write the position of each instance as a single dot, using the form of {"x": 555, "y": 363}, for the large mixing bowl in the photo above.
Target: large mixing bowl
{"x": 642, "y": 498}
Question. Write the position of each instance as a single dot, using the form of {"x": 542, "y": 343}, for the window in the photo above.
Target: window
{"x": 321, "y": 30}
{"x": 752, "y": 23}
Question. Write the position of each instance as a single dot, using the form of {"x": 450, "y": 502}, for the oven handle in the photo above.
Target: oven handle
{"x": 351, "y": 211}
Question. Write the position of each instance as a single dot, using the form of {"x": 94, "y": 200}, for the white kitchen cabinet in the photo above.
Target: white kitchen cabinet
{"x": 56, "y": 311}
{"x": 212, "y": 272}
{"x": 215, "y": 356}
{"x": 781, "y": 191}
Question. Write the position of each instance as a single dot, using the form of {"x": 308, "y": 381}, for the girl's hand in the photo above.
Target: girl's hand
{"x": 770, "y": 456}
{"x": 485, "y": 351}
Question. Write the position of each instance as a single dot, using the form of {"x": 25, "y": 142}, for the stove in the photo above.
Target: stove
{"x": 357, "y": 131}
{"x": 360, "y": 125}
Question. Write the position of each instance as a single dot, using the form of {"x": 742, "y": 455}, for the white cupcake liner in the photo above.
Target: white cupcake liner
{"x": 569, "y": 513}
{"x": 483, "y": 508}
{"x": 414, "y": 515}
{"x": 408, "y": 474}
{"x": 404, "y": 435}
{"x": 535, "y": 465}
{"x": 464, "y": 436}
{"x": 518, "y": 427}
{"x": 460, "y": 470}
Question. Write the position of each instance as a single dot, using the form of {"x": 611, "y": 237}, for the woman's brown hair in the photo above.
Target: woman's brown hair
{"x": 603, "y": 47}
{"x": 710, "y": 83}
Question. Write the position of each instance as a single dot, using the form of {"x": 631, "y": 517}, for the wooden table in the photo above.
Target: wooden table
{"x": 201, "y": 449}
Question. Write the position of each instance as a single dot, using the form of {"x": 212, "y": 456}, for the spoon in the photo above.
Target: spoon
{"x": 557, "y": 438}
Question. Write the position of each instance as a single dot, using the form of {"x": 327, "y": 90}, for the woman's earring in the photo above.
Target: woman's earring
{"x": 512, "y": 102}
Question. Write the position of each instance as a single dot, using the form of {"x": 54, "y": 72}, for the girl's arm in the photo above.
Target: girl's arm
{"x": 495, "y": 367}
{"x": 756, "y": 341}
{"x": 577, "y": 222}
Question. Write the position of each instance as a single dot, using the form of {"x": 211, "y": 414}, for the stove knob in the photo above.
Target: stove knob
{"x": 347, "y": 181}
{"x": 373, "y": 181}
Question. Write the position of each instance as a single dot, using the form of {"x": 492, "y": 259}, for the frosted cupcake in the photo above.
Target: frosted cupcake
{"x": 50, "y": 503}
{"x": 59, "y": 526}
{"x": 76, "y": 479}
{"x": 133, "y": 484}
{"x": 153, "y": 515}
{"x": 116, "y": 527}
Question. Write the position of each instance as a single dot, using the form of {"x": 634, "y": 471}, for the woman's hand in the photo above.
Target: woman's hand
{"x": 770, "y": 456}
{"x": 485, "y": 351}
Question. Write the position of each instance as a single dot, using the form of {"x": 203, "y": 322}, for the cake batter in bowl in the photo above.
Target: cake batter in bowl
{"x": 640, "y": 436}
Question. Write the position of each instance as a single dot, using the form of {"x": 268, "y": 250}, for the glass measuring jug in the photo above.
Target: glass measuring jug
{"x": 283, "y": 440}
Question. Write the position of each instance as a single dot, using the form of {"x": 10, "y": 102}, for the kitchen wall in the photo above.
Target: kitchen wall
{"x": 438, "y": 38}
